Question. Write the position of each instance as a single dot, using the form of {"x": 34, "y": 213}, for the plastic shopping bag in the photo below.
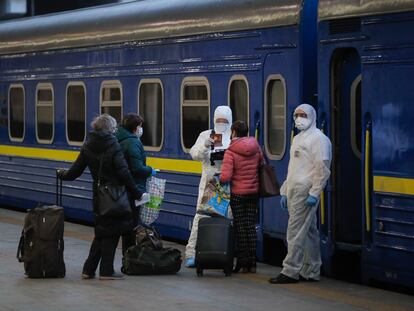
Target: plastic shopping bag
{"x": 149, "y": 211}
{"x": 216, "y": 198}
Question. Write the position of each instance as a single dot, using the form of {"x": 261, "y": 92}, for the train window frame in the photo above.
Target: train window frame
{"x": 75, "y": 83}
{"x": 274, "y": 77}
{"x": 243, "y": 78}
{"x": 155, "y": 80}
{"x": 195, "y": 80}
{"x": 354, "y": 147}
{"x": 45, "y": 86}
{"x": 111, "y": 83}
{"x": 11, "y": 138}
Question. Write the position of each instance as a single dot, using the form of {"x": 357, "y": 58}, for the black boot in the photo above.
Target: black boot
{"x": 241, "y": 264}
{"x": 252, "y": 266}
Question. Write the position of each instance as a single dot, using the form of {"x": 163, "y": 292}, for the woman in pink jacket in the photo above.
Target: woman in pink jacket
{"x": 241, "y": 168}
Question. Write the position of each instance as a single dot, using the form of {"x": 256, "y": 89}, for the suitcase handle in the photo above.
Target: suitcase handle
{"x": 59, "y": 190}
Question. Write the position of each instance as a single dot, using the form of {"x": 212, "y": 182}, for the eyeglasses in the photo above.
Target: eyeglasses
{"x": 300, "y": 115}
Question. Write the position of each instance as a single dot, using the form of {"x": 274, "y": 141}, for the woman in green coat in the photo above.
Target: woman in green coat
{"x": 128, "y": 134}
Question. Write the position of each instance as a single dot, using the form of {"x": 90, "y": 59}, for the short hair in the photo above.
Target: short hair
{"x": 131, "y": 121}
{"x": 241, "y": 128}
{"x": 104, "y": 123}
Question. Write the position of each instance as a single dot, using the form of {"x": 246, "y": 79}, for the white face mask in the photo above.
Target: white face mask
{"x": 139, "y": 131}
{"x": 221, "y": 127}
{"x": 302, "y": 123}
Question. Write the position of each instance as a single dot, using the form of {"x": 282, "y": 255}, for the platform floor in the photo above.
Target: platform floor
{"x": 184, "y": 291}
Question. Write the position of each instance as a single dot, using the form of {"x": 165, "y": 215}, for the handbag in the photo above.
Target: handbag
{"x": 112, "y": 199}
{"x": 268, "y": 184}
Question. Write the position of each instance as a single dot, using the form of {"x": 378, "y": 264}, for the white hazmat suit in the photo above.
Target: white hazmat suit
{"x": 308, "y": 172}
{"x": 200, "y": 152}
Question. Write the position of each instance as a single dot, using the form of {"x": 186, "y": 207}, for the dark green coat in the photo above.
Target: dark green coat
{"x": 135, "y": 155}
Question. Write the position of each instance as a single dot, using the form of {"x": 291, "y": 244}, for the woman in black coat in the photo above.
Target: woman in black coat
{"x": 102, "y": 143}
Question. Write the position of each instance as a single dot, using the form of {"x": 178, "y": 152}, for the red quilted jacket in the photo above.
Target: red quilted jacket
{"x": 240, "y": 166}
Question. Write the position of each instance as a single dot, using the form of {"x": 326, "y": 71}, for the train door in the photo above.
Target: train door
{"x": 346, "y": 136}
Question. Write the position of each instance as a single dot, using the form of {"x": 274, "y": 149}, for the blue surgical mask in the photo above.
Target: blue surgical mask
{"x": 139, "y": 131}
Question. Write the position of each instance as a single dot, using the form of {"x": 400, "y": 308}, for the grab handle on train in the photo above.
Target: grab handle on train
{"x": 367, "y": 175}
{"x": 322, "y": 200}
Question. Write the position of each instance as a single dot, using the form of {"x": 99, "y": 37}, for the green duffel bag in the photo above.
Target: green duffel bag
{"x": 146, "y": 261}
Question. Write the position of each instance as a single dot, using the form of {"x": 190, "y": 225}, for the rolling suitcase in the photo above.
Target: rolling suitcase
{"x": 214, "y": 248}
{"x": 41, "y": 244}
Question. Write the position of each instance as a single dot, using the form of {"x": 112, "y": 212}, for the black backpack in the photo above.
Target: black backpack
{"x": 41, "y": 243}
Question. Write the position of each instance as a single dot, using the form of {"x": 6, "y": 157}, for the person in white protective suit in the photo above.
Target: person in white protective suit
{"x": 201, "y": 152}
{"x": 308, "y": 172}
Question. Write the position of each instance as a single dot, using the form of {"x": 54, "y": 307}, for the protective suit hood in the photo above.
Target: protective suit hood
{"x": 310, "y": 112}
{"x": 245, "y": 146}
{"x": 225, "y": 113}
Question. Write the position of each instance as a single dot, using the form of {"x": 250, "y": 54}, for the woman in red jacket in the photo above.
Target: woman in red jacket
{"x": 241, "y": 168}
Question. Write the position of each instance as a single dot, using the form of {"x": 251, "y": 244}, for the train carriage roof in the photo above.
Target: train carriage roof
{"x": 141, "y": 20}
{"x": 335, "y": 9}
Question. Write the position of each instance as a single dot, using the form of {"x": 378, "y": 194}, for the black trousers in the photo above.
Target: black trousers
{"x": 128, "y": 239}
{"x": 103, "y": 251}
{"x": 244, "y": 208}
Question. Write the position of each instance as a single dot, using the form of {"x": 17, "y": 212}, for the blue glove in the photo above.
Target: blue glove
{"x": 153, "y": 172}
{"x": 283, "y": 202}
{"x": 311, "y": 200}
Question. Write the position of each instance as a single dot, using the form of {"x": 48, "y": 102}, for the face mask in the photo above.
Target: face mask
{"x": 221, "y": 127}
{"x": 302, "y": 123}
{"x": 139, "y": 131}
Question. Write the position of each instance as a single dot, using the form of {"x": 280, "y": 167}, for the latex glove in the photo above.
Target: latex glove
{"x": 60, "y": 173}
{"x": 153, "y": 172}
{"x": 311, "y": 200}
{"x": 283, "y": 202}
{"x": 209, "y": 142}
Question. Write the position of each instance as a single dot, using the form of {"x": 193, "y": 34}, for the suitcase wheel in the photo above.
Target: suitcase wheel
{"x": 199, "y": 272}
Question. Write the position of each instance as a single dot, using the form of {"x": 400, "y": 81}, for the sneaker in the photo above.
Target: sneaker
{"x": 282, "y": 279}
{"x": 85, "y": 276}
{"x": 190, "y": 262}
{"x": 145, "y": 198}
{"x": 113, "y": 276}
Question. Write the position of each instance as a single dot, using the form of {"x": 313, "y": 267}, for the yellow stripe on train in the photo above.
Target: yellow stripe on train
{"x": 164, "y": 164}
{"x": 394, "y": 185}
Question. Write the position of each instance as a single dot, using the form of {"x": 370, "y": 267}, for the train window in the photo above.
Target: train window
{"x": 16, "y": 113}
{"x": 75, "y": 113}
{"x": 111, "y": 99}
{"x": 150, "y": 107}
{"x": 45, "y": 113}
{"x": 275, "y": 117}
{"x": 356, "y": 122}
{"x": 239, "y": 98}
{"x": 195, "y": 109}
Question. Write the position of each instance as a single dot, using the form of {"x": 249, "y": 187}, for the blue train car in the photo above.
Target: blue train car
{"x": 171, "y": 61}
{"x": 366, "y": 60}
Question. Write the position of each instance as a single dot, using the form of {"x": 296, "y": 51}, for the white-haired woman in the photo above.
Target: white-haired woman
{"x": 101, "y": 143}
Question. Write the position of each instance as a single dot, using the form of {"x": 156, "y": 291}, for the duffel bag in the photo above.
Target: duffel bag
{"x": 145, "y": 261}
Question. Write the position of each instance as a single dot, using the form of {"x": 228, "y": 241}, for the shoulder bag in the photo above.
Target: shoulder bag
{"x": 112, "y": 199}
{"x": 268, "y": 184}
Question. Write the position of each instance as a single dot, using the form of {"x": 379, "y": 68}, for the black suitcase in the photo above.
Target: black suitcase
{"x": 214, "y": 248}
{"x": 41, "y": 244}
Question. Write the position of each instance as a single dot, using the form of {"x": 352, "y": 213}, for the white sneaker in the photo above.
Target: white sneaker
{"x": 144, "y": 199}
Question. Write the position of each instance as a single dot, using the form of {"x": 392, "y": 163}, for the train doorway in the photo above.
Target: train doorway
{"x": 347, "y": 166}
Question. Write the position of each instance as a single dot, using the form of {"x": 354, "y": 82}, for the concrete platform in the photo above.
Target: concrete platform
{"x": 184, "y": 291}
